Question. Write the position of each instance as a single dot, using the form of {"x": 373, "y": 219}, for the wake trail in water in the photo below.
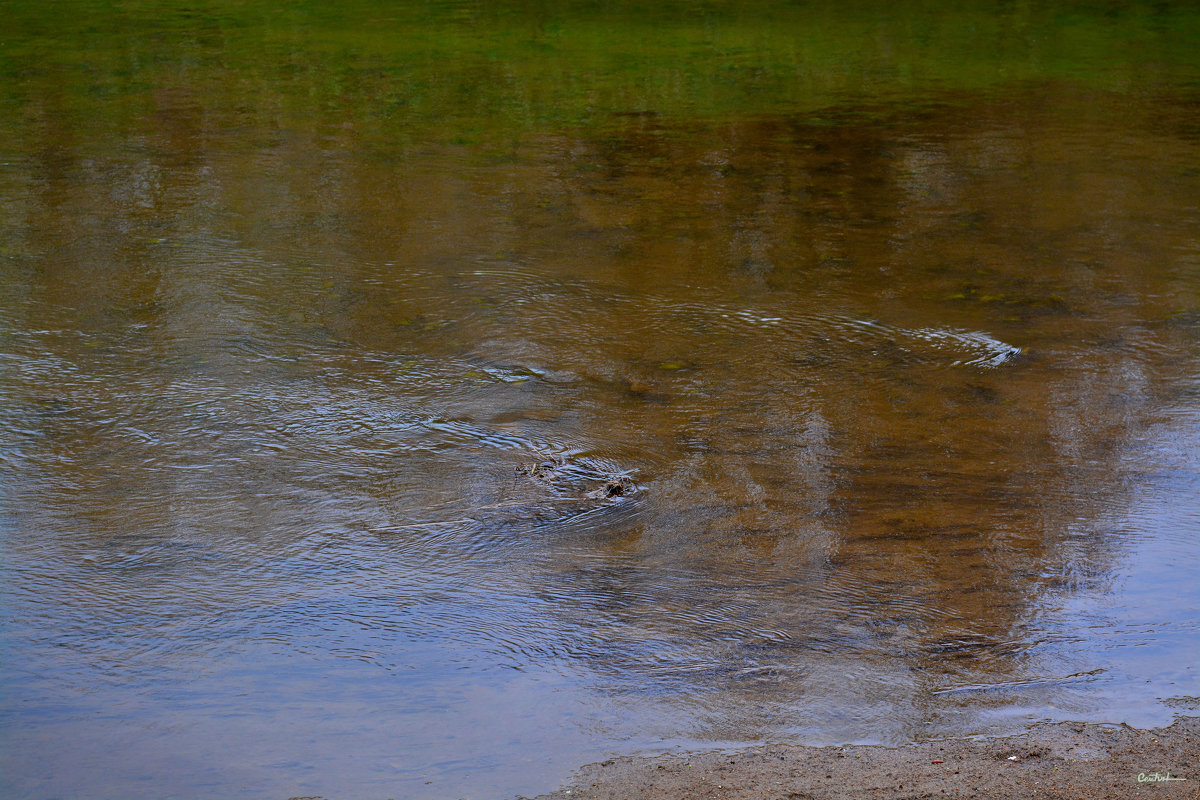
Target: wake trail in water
{"x": 589, "y": 309}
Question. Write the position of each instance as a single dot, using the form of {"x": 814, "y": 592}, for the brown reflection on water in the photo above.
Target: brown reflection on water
{"x": 889, "y": 382}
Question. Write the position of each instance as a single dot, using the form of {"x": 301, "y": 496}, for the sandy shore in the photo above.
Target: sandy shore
{"x": 1062, "y": 760}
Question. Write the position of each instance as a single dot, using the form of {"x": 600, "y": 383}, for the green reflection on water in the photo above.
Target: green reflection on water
{"x": 465, "y": 72}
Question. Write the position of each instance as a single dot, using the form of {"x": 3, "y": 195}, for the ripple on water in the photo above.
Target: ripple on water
{"x": 827, "y": 526}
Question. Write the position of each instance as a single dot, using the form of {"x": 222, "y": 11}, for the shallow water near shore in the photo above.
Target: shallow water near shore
{"x": 425, "y": 404}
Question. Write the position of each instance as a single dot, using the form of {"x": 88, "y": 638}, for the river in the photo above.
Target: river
{"x": 424, "y": 400}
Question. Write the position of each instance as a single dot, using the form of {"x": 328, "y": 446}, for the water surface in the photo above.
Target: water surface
{"x": 324, "y": 328}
